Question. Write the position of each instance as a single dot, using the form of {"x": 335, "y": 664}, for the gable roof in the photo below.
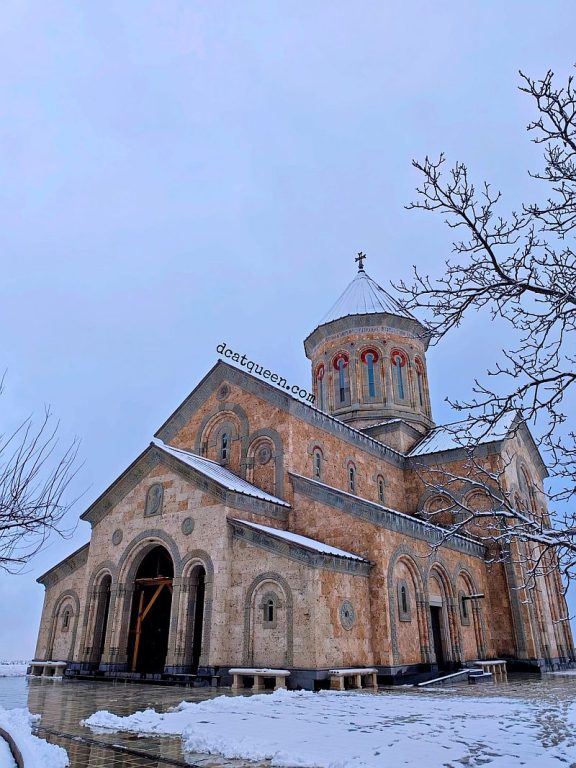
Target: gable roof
{"x": 72, "y": 563}
{"x": 223, "y": 371}
{"x": 217, "y": 472}
{"x": 303, "y": 541}
{"x": 225, "y": 485}
{"x": 460, "y": 434}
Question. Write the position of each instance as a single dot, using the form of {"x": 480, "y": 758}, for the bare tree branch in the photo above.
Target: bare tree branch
{"x": 520, "y": 268}
{"x": 34, "y": 484}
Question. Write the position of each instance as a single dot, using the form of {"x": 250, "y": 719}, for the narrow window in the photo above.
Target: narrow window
{"x": 66, "y": 620}
{"x": 317, "y": 464}
{"x": 352, "y": 479}
{"x": 380, "y": 489}
{"x": 400, "y": 378}
{"x": 404, "y": 599}
{"x": 464, "y": 607}
{"x": 224, "y": 447}
{"x": 320, "y": 386}
{"x": 342, "y": 379}
{"x": 420, "y": 389}
{"x": 269, "y": 610}
{"x": 371, "y": 385}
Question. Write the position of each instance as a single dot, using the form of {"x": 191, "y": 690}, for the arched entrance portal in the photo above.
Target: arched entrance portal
{"x": 150, "y": 615}
{"x": 102, "y": 614}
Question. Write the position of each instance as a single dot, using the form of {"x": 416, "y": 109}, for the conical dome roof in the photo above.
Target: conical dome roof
{"x": 363, "y": 296}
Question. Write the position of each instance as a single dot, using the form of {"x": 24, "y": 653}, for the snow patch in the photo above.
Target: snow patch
{"x": 35, "y": 752}
{"x": 13, "y": 668}
{"x": 360, "y": 730}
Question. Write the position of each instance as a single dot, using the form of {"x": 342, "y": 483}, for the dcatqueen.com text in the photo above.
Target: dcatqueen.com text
{"x": 253, "y": 367}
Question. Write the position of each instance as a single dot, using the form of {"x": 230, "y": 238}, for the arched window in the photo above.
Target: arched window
{"x": 351, "y": 478}
{"x": 66, "y": 619}
{"x": 399, "y": 361}
{"x": 317, "y": 464}
{"x": 320, "y": 385}
{"x": 420, "y": 380}
{"x": 270, "y": 605}
{"x": 464, "y": 607}
{"x": 342, "y": 381}
{"x": 370, "y": 357}
{"x": 404, "y": 613}
{"x": 380, "y": 488}
{"x": 224, "y": 446}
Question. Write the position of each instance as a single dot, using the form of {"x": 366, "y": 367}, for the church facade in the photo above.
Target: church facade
{"x": 259, "y": 531}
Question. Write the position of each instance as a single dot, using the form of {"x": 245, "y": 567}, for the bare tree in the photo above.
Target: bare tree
{"x": 34, "y": 482}
{"x": 520, "y": 268}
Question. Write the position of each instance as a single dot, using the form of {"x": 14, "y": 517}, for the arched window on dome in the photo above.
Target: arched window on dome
{"x": 420, "y": 380}
{"x": 320, "y": 386}
{"x": 342, "y": 380}
{"x": 399, "y": 363}
{"x": 370, "y": 373}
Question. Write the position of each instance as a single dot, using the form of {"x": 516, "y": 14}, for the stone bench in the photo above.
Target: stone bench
{"x": 47, "y": 668}
{"x": 338, "y": 678}
{"x": 496, "y": 667}
{"x": 258, "y": 675}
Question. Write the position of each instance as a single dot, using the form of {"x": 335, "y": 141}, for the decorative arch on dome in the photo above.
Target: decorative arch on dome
{"x": 399, "y": 364}
{"x": 421, "y": 384}
{"x": 371, "y": 379}
{"x": 341, "y": 366}
{"x": 320, "y": 387}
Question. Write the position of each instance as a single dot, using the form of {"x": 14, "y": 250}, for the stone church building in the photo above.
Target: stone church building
{"x": 257, "y": 530}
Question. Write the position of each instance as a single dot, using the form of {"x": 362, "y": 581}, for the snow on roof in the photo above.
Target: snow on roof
{"x": 303, "y": 541}
{"x": 218, "y": 473}
{"x": 460, "y": 434}
{"x": 363, "y": 296}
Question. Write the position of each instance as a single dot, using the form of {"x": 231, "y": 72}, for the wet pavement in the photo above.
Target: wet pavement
{"x": 63, "y": 704}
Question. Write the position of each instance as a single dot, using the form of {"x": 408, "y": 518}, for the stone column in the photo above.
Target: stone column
{"x": 174, "y": 652}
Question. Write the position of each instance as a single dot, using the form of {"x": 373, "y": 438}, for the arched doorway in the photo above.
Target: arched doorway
{"x": 438, "y": 621}
{"x": 197, "y": 593}
{"x": 150, "y": 614}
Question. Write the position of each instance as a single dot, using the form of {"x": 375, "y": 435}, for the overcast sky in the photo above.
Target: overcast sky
{"x": 175, "y": 174}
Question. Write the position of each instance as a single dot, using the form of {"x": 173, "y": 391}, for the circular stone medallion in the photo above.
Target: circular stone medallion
{"x": 263, "y": 454}
{"x": 117, "y": 537}
{"x": 347, "y": 615}
{"x": 223, "y": 392}
{"x": 187, "y": 526}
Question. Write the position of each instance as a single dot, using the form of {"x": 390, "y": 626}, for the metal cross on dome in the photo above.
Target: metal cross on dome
{"x": 360, "y": 259}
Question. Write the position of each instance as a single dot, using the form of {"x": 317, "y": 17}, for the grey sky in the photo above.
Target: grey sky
{"x": 175, "y": 174}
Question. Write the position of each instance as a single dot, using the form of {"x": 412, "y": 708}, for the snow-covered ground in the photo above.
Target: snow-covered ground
{"x": 13, "y": 668}
{"x": 360, "y": 730}
{"x": 35, "y": 751}
{"x": 6, "y": 759}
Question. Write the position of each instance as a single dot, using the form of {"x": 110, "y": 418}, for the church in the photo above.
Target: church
{"x": 258, "y": 530}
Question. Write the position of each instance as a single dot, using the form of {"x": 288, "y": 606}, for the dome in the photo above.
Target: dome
{"x": 363, "y": 296}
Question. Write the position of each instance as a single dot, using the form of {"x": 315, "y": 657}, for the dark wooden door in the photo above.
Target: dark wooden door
{"x": 436, "y": 616}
